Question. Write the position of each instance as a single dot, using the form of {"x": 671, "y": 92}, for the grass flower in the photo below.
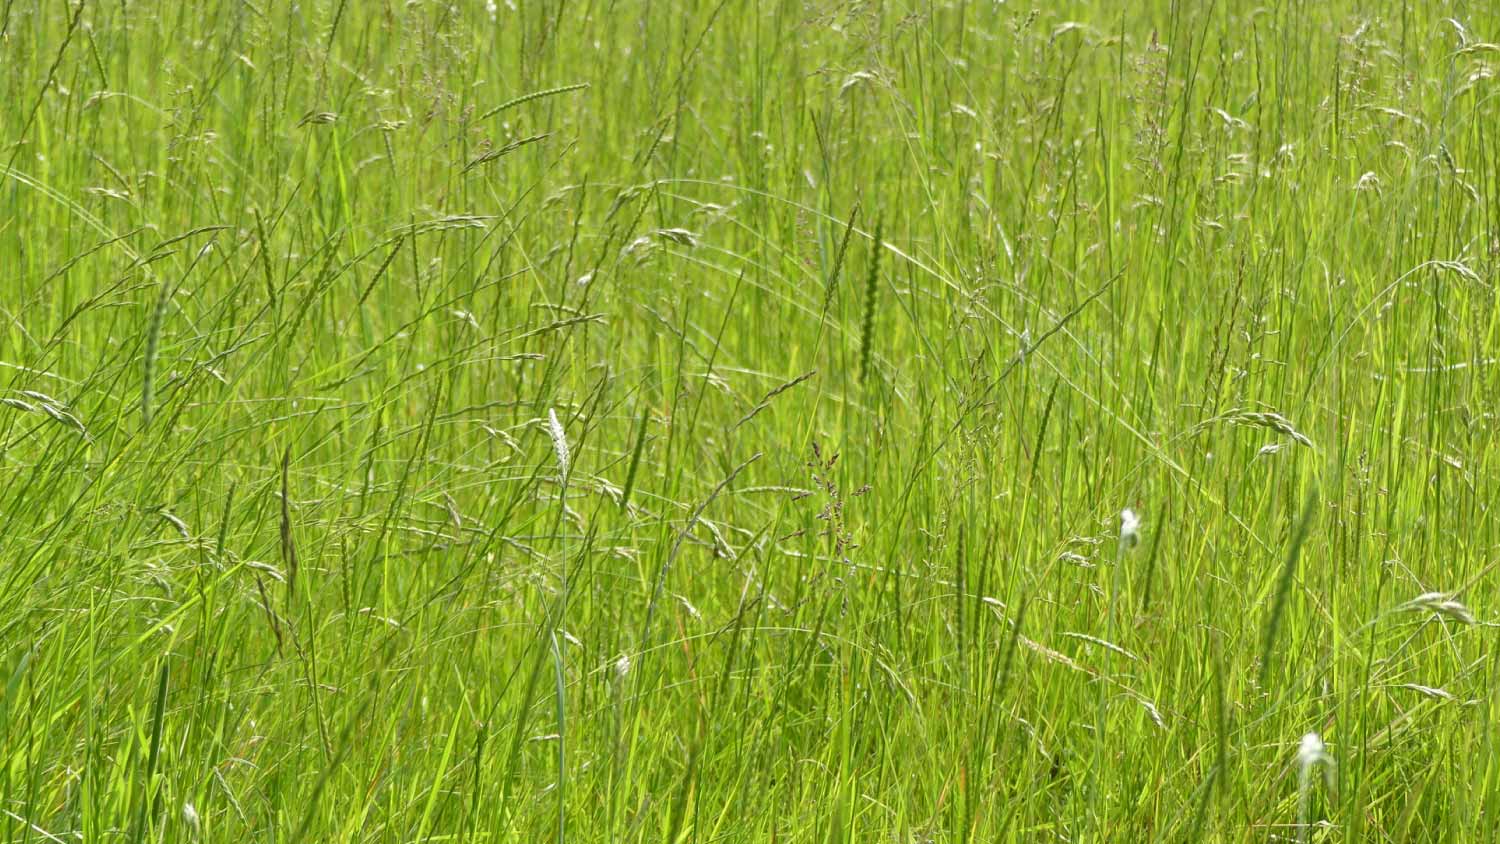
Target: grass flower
{"x": 1130, "y": 528}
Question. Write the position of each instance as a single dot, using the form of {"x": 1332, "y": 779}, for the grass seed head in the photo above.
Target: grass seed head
{"x": 1130, "y": 528}
{"x": 1311, "y": 751}
{"x": 1442, "y": 604}
{"x": 1312, "y": 755}
{"x": 559, "y": 441}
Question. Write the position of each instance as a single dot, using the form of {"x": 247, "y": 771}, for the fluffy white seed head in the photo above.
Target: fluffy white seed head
{"x": 1312, "y": 755}
{"x": 559, "y": 441}
{"x": 1311, "y": 751}
{"x": 1130, "y": 528}
{"x": 1440, "y": 603}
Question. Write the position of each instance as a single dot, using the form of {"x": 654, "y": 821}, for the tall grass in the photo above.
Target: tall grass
{"x": 456, "y": 421}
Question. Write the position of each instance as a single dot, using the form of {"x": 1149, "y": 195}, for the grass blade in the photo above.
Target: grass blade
{"x": 1284, "y": 585}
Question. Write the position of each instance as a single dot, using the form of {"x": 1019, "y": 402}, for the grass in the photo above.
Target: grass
{"x": 712, "y": 422}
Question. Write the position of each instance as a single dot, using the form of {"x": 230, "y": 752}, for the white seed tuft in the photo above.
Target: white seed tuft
{"x": 1311, "y": 755}
{"x": 1311, "y": 752}
{"x": 559, "y": 441}
{"x": 1130, "y": 528}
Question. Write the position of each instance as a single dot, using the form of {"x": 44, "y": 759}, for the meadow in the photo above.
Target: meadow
{"x": 749, "y": 421}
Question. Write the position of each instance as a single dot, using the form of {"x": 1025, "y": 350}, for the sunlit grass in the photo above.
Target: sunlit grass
{"x": 753, "y": 422}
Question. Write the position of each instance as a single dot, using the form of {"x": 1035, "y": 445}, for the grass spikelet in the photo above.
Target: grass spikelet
{"x": 681, "y": 237}
{"x": 1052, "y": 655}
{"x": 178, "y": 524}
{"x": 1439, "y": 603}
{"x": 872, "y": 290}
{"x": 1432, "y": 692}
{"x": 64, "y": 417}
{"x": 559, "y": 442}
{"x": 1275, "y": 422}
{"x": 1107, "y": 645}
{"x": 1257, "y": 419}
{"x": 1151, "y": 711}
{"x": 635, "y": 457}
{"x": 534, "y": 95}
{"x": 775, "y": 391}
{"x": 838, "y": 261}
{"x": 318, "y": 118}
{"x": 265, "y": 604}
{"x": 505, "y": 150}
{"x": 153, "y": 346}
{"x": 288, "y": 547}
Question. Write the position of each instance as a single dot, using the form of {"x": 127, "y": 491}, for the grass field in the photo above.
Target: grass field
{"x": 671, "y": 421}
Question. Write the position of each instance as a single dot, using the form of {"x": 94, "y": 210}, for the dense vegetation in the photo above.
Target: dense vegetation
{"x": 674, "y": 421}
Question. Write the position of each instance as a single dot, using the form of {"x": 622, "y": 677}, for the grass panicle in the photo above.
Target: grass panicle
{"x": 872, "y": 294}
